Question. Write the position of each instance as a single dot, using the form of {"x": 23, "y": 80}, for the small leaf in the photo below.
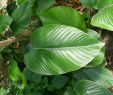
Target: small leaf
{"x": 60, "y": 49}
{"x": 86, "y": 87}
{"x": 104, "y": 18}
{"x": 100, "y": 76}
{"x": 63, "y": 15}
{"x": 13, "y": 71}
{"x": 5, "y": 21}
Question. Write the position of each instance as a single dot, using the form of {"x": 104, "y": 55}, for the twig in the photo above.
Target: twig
{"x": 12, "y": 40}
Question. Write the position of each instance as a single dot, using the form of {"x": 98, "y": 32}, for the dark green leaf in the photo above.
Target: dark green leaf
{"x": 63, "y": 15}
{"x": 21, "y": 17}
{"x": 59, "y": 81}
{"x": 43, "y": 5}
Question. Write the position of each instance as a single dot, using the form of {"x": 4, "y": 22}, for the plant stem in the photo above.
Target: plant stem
{"x": 12, "y": 40}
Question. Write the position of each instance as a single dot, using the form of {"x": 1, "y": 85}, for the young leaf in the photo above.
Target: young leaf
{"x": 21, "y": 17}
{"x": 86, "y": 87}
{"x": 5, "y": 21}
{"x": 63, "y": 15}
{"x": 104, "y": 18}
{"x": 60, "y": 49}
{"x": 14, "y": 72}
{"x": 100, "y": 76}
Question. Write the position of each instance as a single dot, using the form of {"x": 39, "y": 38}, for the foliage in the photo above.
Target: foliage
{"x": 53, "y": 49}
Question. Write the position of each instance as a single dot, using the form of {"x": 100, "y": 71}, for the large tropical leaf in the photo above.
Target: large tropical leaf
{"x": 104, "y": 18}
{"x": 59, "y": 49}
{"x": 5, "y": 21}
{"x": 100, "y": 76}
{"x": 21, "y": 17}
{"x": 63, "y": 15}
{"x": 86, "y": 87}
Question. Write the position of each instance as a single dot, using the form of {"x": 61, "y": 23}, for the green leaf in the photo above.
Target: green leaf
{"x": 36, "y": 78}
{"x": 94, "y": 34}
{"x": 63, "y": 15}
{"x": 98, "y": 60}
{"x": 43, "y": 5}
{"x": 100, "y": 76}
{"x": 59, "y": 49}
{"x": 104, "y": 18}
{"x": 96, "y": 4}
{"x": 85, "y": 87}
{"x": 5, "y": 21}
{"x": 21, "y": 17}
{"x": 14, "y": 72}
{"x": 88, "y": 3}
{"x": 103, "y": 3}
{"x": 59, "y": 81}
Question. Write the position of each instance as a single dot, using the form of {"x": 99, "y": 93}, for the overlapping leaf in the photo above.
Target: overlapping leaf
{"x": 85, "y": 87}
{"x": 104, "y": 18}
{"x": 100, "y": 76}
{"x": 98, "y": 60}
{"x": 96, "y": 4}
{"x": 63, "y": 15}
{"x": 59, "y": 49}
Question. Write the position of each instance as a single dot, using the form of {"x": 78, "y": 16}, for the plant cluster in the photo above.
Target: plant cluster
{"x": 54, "y": 50}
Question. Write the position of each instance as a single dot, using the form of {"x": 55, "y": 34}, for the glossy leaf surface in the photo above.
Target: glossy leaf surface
{"x": 60, "y": 49}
